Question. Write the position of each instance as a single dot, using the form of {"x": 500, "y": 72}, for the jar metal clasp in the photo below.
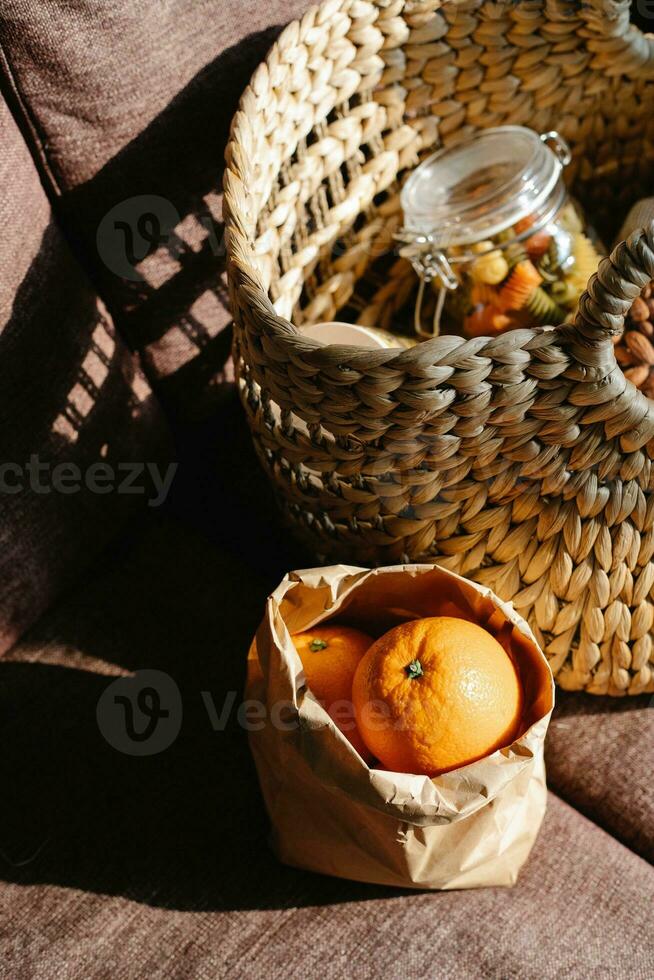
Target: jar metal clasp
{"x": 429, "y": 263}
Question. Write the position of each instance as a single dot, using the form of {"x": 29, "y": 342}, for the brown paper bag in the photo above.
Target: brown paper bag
{"x": 331, "y": 812}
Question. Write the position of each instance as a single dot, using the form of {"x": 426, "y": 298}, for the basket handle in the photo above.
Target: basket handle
{"x": 630, "y": 52}
{"x": 612, "y": 290}
{"x": 601, "y": 315}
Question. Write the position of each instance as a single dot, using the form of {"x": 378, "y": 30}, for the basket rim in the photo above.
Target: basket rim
{"x": 424, "y": 354}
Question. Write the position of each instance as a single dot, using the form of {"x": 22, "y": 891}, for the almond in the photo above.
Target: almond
{"x": 640, "y": 347}
{"x": 647, "y": 327}
{"x": 639, "y": 311}
{"x": 638, "y": 375}
{"x": 623, "y": 356}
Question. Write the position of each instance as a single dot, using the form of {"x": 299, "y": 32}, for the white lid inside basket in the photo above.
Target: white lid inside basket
{"x": 481, "y": 186}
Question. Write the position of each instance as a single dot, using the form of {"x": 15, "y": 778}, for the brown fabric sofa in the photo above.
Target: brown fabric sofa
{"x": 120, "y": 866}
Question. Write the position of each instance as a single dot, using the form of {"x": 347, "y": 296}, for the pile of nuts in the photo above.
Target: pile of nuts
{"x": 634, "y": 350}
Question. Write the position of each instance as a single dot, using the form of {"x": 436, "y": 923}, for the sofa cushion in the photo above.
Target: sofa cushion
{"x": 127, "y": 107}
{"x": 578, "y": 910}
{"x": 72, "y": 397}
{"x": 159, "y": 866}
{"x": 599, "y": 751}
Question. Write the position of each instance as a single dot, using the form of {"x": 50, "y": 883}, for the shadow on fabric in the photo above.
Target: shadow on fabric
{"x": 175, "y": 312}
{"x": 185, "y": 828}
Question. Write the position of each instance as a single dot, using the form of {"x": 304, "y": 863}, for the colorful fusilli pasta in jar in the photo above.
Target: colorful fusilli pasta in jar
{"x": 490, "y": 226}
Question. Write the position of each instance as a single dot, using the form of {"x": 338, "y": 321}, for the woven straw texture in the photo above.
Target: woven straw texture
{"x": 523, "y": 461}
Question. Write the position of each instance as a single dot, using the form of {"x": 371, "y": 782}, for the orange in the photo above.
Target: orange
{"x": 434, "y": 694}
{"x": 330, "y": 656}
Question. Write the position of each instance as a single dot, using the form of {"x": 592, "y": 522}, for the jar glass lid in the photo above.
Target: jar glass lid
{"x": 482, "y": 186}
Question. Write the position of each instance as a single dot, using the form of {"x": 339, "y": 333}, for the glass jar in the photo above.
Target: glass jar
{"x": 489, "y": 224}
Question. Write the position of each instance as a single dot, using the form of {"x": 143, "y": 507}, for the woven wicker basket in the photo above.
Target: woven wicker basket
{"x": 523, "y": 461}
